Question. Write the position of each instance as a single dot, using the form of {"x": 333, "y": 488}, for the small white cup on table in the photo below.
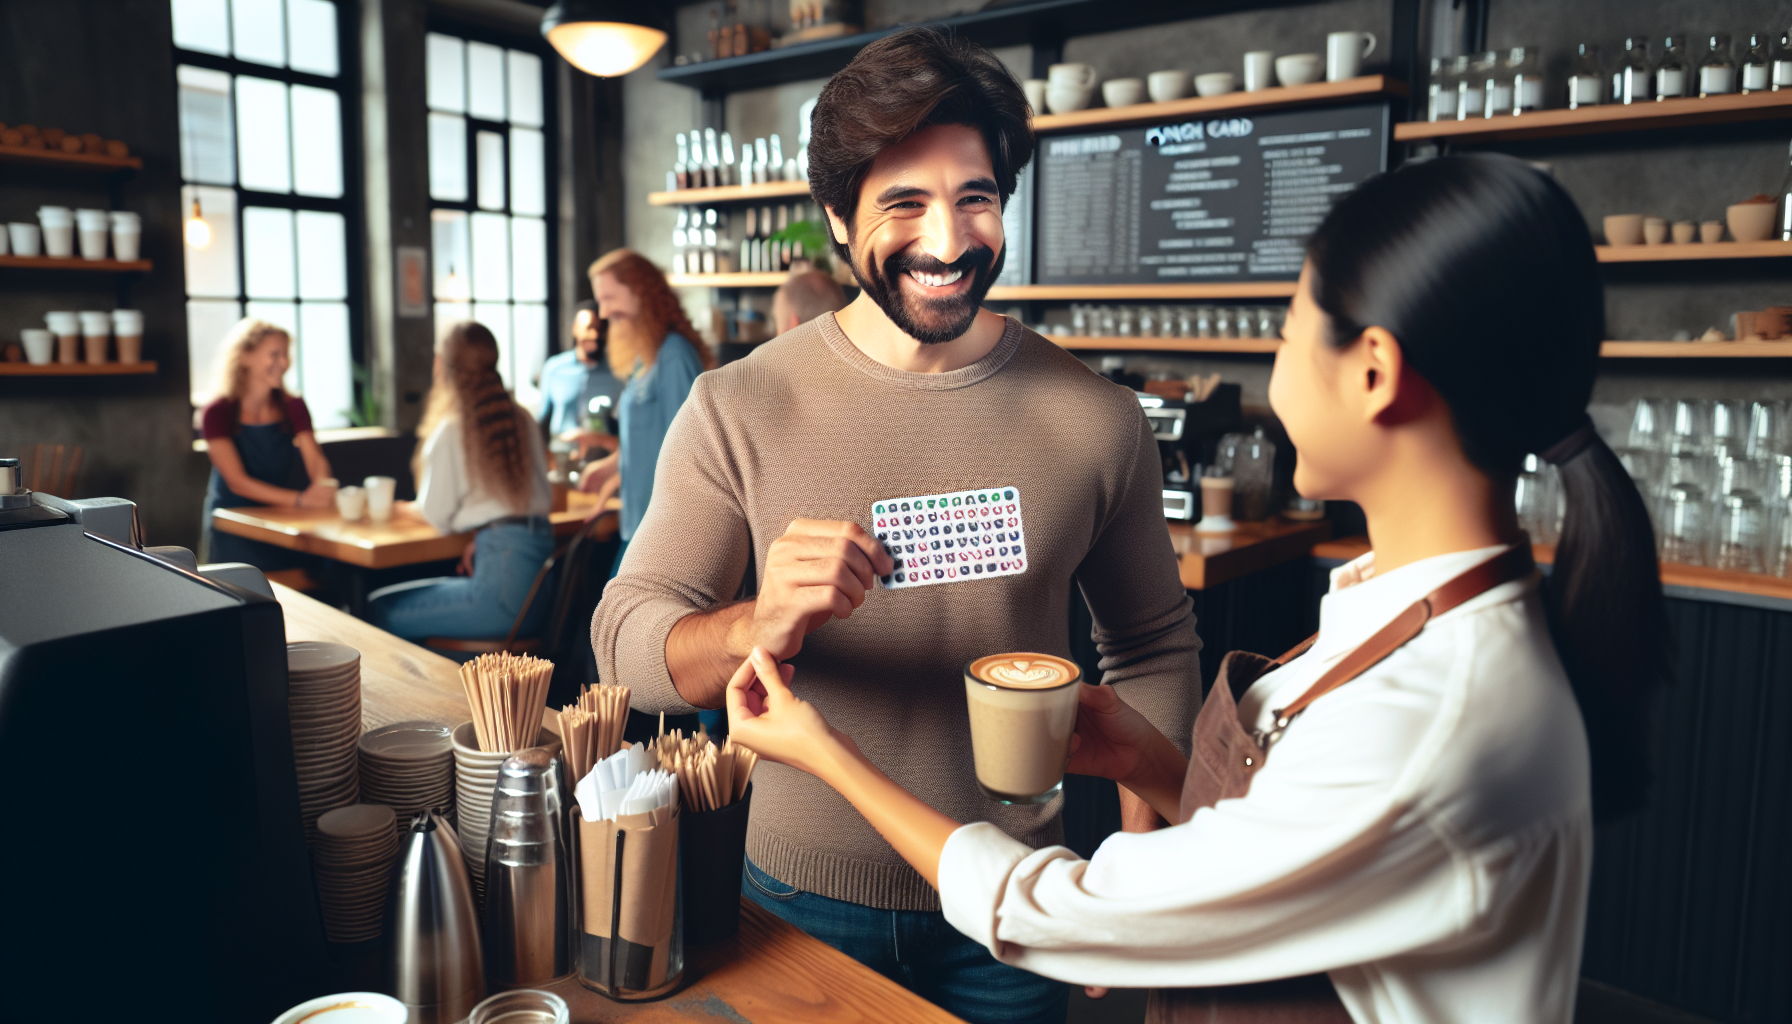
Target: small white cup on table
{"x": 351, "y": 503}
{"x": 380, "y": 492}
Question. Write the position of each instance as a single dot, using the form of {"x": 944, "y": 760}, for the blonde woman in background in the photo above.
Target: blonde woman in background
{"x": 260, "y": 442}
{"x": 481, "y": 468}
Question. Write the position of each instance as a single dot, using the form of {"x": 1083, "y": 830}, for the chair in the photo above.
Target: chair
{"x": 574, "y": 554}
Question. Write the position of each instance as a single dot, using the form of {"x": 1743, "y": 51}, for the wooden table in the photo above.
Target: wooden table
{"x": 770, "y": 973}
{"x": 405, "y": 539}
{"x": 1210, "y": 559}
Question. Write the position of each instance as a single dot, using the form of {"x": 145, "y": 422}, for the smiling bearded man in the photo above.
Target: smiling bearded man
{"x": 833, "y": 498}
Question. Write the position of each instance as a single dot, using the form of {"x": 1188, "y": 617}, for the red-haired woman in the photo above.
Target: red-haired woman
{"x": 480, "y": 468}
{"x": 654, "y": 348}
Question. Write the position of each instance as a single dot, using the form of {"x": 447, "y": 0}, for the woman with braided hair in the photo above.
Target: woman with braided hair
{"x": 480, "y": 469}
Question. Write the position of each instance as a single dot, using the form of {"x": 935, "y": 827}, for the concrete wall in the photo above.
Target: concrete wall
{"x": 103, "y": 66}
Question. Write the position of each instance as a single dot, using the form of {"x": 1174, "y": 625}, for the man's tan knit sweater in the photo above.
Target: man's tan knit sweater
{"x": 808, "y": 426}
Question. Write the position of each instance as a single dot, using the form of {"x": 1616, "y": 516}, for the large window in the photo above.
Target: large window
{"x": 488, "y": 190}
{"x": 262, "y": 100}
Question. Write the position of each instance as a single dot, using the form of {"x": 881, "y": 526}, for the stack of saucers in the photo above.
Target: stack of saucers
{"x": 475, "y": 780}
{"x": 323, "y": 701}
{"x": 356, "y": 846}
{"x": 409, "y": 767}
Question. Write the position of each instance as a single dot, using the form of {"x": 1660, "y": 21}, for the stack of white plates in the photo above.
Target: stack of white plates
{"x": 356, "y": 846}
{"x": 324, "y": 703}
{"x": 475, "y": 780}
{"x": 409, "y": 767}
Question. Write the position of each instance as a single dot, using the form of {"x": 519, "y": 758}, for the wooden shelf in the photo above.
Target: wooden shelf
{"x": 760, "y": 280}
{"x": 1673, "y": 574}
{"x": 76, "y": 369}
{"x": 72, "y": 161}
{"x": 76, "y": 263}
{"x": 1111, "y": 292}
{"x": 1365, "y": 87}
{"x": 1606, "y": 117}
{"x": 730, "y": 194}
{"x": 1696, "y": 350}
{"x": 1253, "y": 346}
{"x": 1693, "y": 251}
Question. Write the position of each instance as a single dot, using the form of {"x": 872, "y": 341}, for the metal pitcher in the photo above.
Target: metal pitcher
{"x": 528, "y": 876}
{"x": 433, "y": 962}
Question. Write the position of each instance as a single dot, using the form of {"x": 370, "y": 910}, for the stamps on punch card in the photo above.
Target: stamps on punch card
{"x": 951, "y": 538}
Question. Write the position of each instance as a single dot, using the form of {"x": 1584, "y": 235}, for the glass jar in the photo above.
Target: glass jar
{"x": 1108, "y": 326}
{"x": 1741, "y": 533}
{"x": 1782, "y": 62}
{"x": 1126, "y": 322}
{"x": 1185, "y": 322}
{"x": 1527, "y": 78}
{"x": 1439, "y": 86}
{"x": 1470, "y": 90}
{"x": 1586, "y": 80}
{"x": 1147, "y": 322}
{"x": 1499, "y": 85}
{"x": 1268, "y": 326}
{"x": 521, "y": 1006}
{"x": 1204, "y": 322}
{"x": 1244, "y": 323}
{"x": 1222, "y": 323}
{"x": 1673, "y": 74}
{"x": 1253, "y": 475}
{"x": 1649, "y": 425}
{"x": 1477, "y": 92}
{"x": 1717, "y": 72}
{"x": 1682, "y": 524}
{"x": 1634, "y": 74}
{"x": 1079, "y": 320}
{"x": 1779, "y": 551}
{"x": 1766, "y": 430}
{"x": 1757, "y": 63}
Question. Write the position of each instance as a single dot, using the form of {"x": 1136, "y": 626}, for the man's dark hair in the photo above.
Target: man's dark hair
{"x": 901, "y": 84}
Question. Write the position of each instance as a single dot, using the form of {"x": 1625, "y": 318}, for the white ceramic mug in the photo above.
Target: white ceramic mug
{"x": 1062, "y": 99}
{"x": 1123, "y": 92}
{"x": 1345, "y": 53}
{"x": 1299, "y": 68}
{"x": 26, "y": 238}
{"x": 1035, "y": 90}
{"x": 1165, "y": 86}
{"x": 59, "y": 231}
{"x": 351, "y": 503}
{"x": 1215, "y": 83}
{"x": 127, "y": 233}
{"x": 1259, "y": 65}
{"x": 380, "y": 490}
{"x": 40, "y": 345}
{"x": 1081, "y": 76}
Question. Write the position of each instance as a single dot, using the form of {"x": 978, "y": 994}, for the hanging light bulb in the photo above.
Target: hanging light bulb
{"x": 198, "y": 233}
{"x": 454, "y": 287}
{"x": 604, "y": 37}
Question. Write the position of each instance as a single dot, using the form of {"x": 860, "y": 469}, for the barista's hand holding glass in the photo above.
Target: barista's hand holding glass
{"x": 1447, "y": 731}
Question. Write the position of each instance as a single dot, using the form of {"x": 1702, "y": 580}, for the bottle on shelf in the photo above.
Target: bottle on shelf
{"x": 1434, "y": 90}
{"x": 1499, "y": 85}
{"x": 1461, "y": 73}
{"x": 1717, "y": 71}
{"x": 1757, "y": 63}
{"x": 1785, "y": 224}
{"x": 1672, "y": 74}
{"x": 678, "y": 239}
{"x": 680, "y": 176}
{"x": 694, "y": 163}
{"x": 1634, "y": 74}
{"x": 1478, "y": 95}
{"x": 712, "y": 159}
{"x": 726, "y": 166}
{"x": 1782, "y": 62}
{"x": 710, "y": 262}
{"x": 760, "y": 158}
{"x": 775, "y": 165}
{"x": 1527, "y": 78}
{"x": 1586, "y": 82}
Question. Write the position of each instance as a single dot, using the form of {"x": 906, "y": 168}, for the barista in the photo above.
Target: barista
{"x": 1397, "y": 824}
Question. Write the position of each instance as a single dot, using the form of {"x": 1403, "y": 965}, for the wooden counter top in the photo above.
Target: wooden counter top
{"x": 1210, "y": 559}
{"x": 1673, "y": 574}
{"x": 769, "y": 974}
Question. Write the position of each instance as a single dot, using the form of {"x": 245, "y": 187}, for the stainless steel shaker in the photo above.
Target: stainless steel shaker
{"x": 433, "y": 963}
{"x": 528, "y": 876}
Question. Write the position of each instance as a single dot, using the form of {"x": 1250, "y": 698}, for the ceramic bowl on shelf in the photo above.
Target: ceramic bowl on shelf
{"x": 1215, "y": 83}
{"x": 1624, "y": 229}
{"x": 1685, "y": 232}
{"x": 1655, "y": 230}
{"x": 1062, "y": 99}
{"x": 1299, "y": 68}
{"x": 1165, "y": 86}
{"x": 1751, "y": 222}
{"x": 1711, "y": 231}
{"x": 1123, "y": 92}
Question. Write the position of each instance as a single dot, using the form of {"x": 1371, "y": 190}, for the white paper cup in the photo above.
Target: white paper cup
{"x": 380, "y": 491}
{"x": 91, "y": 230}
{"x": 351, "y": 503}
{"x": 56, "y": 216}
{"x": 127, "y": 321}
{"x": 62, "y": 323}
{"x": 40, "y": 345}
{"x": 27, "y": 239}
{"x": 59, "y": 231}
{"x": 95, "y": 322}
{"x": 1259, "y": 70}
{"x": 127, "y": 235}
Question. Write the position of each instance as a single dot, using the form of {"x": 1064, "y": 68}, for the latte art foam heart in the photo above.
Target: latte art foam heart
{"x": 1024, "y": 671}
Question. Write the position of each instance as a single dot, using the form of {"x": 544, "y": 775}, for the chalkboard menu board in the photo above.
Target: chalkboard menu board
{"x": 1228, "y": 199}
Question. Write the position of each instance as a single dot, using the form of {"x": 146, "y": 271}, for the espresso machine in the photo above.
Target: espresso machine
{"x": 154, "y": 849}
{"x": 1188, "y": 435}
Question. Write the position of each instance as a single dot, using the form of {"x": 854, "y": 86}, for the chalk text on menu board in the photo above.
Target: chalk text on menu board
{"x": 1222, "y": 199}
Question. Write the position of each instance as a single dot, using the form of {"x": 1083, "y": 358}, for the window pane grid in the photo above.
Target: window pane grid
{"x": 489, "y": 191}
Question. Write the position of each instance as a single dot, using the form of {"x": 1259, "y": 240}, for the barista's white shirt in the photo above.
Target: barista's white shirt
{"x": 446, "y": 495}
{"x": 1423, "y": 834}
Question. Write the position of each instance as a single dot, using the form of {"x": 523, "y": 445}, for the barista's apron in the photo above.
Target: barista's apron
{"x": 1226, "y": 757}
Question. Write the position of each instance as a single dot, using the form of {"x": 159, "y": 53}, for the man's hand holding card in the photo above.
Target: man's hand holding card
{"x": 819, "y": 570}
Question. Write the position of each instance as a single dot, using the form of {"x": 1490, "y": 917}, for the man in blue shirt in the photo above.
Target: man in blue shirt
{"x": 571, "y": 379}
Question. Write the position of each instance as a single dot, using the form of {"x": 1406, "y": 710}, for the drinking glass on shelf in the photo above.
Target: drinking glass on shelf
{"x": 1689, "y": 425}
{"x": 1649, "y": 424}
{"x": 1167, "y": 324}
{"x": 1147, "y": 322}
{"x": 1104, "y": 316}
{"x": 1767, "y": 430}
{"x": 1470, "y": 91}
{"x": 1697, "y": 468}
{"x": 1478, "y": 97}
{"x": 1741, "y": 529}
{"x": 1499, "y": 84}
{"x": 1682, "y": 524}
{"x": 1204, "y": 327}
{"x": 1222, "y": 323}
{"x": 1644, "y": 466}
{"x": 1126, "y": 321}
{"x": 1267, "y": 324}
{"x": 1185, "y": 322}
{"x": 1738, "y": 474}
{"x": 1729, "y": 422}
{"x": 1527, "y": 78}
{"x": 1779, "y": 547}
{"x": 1079, "y": 320}
{"x": 1244, "y": 323}
{"x": 1435, "y": 90}
{"x": 1717, "y": 71}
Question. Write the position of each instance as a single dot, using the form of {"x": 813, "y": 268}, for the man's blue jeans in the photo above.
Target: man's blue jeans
{"x": 920, "y": 951}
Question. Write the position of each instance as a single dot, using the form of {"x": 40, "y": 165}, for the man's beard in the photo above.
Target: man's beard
{"x": 931, "y": 321}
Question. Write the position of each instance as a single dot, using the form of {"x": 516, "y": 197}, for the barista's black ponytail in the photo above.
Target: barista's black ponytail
{"x": 1482, "y": 267}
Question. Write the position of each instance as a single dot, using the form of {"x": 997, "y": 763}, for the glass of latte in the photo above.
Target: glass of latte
{"x": 1023, "y": 710}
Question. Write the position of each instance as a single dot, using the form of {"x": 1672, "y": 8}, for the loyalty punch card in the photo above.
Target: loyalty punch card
{"x": 950, "y": 538}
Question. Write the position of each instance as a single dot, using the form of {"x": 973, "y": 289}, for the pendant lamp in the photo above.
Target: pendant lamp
{"x": 604, "y": 37}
